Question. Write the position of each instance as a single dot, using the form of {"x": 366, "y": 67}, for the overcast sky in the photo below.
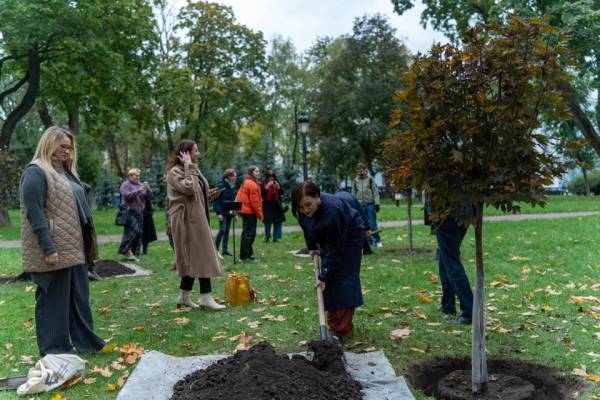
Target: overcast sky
{"x": 305, "y": 20}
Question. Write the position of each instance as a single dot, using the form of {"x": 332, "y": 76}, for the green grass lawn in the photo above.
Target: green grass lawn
{"x": 105, "y": 219}
{"x": 532, "y": 270}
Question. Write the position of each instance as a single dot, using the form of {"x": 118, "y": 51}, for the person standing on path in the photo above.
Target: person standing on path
{"x": 133, "y": 197}
{"x": 58, "y": 243}
{"x": 148, "y": 230}
{"x": 333, "y": 229}
{"x": 366, "y": 192}
{"x": 251, "y": 199}
{"x": 227, "y": 186}
{"x": 195, "y": 251}
{"x": 272, "y": 209}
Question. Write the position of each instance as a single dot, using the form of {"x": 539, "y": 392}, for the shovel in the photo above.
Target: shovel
{"x": 322, "y": 321}
{"x": 12, "y": 383}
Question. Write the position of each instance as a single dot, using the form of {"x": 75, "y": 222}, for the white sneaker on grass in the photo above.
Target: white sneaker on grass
{"x": 379, "y": 244}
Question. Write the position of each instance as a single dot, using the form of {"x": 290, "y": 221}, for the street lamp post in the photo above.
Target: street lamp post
{"x": 303, "y": 123}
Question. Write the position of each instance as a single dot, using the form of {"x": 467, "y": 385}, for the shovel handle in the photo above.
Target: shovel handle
{"x": 322, "y": 319}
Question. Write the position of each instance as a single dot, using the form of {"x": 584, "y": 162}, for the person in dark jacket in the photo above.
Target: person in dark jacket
{"x": 353, "y": 202}
{"x": 455, "y": 283}
{"x": 58, "y": 244}
{"x": 335, "y": 230}
{"x": 227, "y": 186}
{"x": 148, "y": 230}
{"x": 272, "y": 209}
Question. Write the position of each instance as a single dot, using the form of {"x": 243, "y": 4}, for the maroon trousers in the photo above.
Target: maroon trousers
{"x": 340, "y": 321}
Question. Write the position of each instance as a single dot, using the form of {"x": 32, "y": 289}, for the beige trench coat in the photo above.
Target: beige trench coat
{"x": 195, "y": 251}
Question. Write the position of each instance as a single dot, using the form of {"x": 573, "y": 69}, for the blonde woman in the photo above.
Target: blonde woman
{"x": 195, "y": 251}
{"x": 58, "y": 243}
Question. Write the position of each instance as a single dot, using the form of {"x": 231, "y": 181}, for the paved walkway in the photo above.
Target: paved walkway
{"x": 383, "y": 224}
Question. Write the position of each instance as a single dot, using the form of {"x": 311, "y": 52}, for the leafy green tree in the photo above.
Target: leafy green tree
{"x": 473, "y": 131}
{"x": 9, "y": 181}
{"x": 579, "y": 19}
{"x": 354, "y": 98}
{"x": 576, "y": 150}
{"x": 227, "y": 63}
{"x": 289, "y": 82}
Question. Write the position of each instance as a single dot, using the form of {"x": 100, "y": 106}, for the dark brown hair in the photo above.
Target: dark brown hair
{"x": 270, "y": 174}
{"x": 306, "y": 188}
{"x": 249, "y": 174}
{"x": 185, "y": 145}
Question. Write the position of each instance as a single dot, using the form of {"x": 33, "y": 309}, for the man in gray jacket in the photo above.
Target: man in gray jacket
{"x": 366, "y": 192}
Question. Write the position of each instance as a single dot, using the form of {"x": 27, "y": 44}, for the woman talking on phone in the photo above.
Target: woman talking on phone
{"x": 195, "y": 251}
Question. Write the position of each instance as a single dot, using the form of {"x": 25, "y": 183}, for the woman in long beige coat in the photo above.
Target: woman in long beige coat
{"x": 195, "y": 252}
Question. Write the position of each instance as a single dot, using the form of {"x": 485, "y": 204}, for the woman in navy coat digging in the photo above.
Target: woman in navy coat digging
{"x": 333, "y": 229}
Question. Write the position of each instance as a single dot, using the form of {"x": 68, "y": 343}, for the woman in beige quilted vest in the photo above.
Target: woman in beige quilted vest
{"x": 58, "y": 239}
{"x": 189, "y": 214}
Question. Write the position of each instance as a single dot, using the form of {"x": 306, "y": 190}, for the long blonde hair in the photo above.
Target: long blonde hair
{"x": 49, "y": 142}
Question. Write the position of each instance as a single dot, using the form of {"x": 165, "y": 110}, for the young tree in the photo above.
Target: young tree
{"x": 474, "y": 123}
{"x": 579, "y": 19}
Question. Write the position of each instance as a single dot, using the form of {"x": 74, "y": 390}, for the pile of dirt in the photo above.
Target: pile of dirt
{"x": 108, "y": 268}
{"x": 450, "y": 378}
{"x": 260, "y": 373}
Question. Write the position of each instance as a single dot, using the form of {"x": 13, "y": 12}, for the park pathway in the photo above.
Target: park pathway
{"x": 383, "y": 224}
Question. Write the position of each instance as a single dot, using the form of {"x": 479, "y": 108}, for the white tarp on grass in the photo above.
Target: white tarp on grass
{"x": 156, "y": 373}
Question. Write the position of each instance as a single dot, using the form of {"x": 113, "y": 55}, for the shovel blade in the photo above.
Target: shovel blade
{"x": 12, "y": 383}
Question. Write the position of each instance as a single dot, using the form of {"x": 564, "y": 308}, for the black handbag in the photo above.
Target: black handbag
{"x": 121, "y": 217}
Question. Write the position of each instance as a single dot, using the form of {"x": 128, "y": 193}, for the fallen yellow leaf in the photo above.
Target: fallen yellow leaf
{"x": 111, "y": 387}
{"x": 105, "y": 372}
{"x": 108, "y": 347}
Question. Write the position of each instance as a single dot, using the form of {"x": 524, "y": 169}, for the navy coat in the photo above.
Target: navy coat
{"x": 353, "y": 202}
{"x": 227, "y": 195}
{"x": 337, "y": 231}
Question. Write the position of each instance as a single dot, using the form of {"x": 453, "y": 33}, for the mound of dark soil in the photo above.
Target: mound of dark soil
{"x": 108, "y": 268}
{"x": 259, "y": 373}
{"x": 450, "y": 379}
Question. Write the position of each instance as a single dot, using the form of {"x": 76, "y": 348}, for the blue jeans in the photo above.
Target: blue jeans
{"x": 372, "y": 218}
{"x": 277, "y": 233}
{"x": 223, "y": 234}
{"x": 453, "y": 278}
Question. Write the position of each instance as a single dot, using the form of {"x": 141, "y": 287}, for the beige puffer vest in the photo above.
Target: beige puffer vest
{"x": 65, "y": 227}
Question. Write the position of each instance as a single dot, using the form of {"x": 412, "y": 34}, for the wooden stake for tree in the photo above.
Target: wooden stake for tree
{"x": 479, "y": 374}
{"x": 410, "y": 227}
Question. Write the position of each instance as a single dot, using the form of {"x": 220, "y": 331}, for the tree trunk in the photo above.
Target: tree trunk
{"x": 5, "y": 218}
{"x": 28, "y": 101}
{"x": 114, "y": 156}
{"x": 586, "y": 182}
{"x": 410, "y": 220}
{"x": 579, "y": 116}
{"x": 45, "y": 116}
{"x": 479, "y": 374}
{"x": 168, "y": 132}
{"x": 74, "y": 117}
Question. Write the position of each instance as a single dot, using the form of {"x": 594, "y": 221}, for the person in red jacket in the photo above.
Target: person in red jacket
{"x": 251, "y": 199}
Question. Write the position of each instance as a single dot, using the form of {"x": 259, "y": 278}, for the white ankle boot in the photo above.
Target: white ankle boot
{"x": 184, "y": 300}
{"x": 207, "y": 301}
